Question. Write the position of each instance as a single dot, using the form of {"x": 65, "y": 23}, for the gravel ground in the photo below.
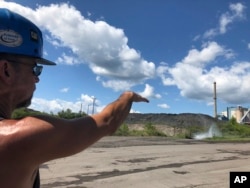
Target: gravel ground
{"x": 146, "y": 162}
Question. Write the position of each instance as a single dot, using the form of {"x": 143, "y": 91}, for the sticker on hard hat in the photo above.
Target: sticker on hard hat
{"x": 34, "y": 35}
{"x": 10, "y": 38}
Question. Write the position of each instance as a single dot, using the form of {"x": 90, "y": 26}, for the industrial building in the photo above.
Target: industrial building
{"x": 241, "y": 114}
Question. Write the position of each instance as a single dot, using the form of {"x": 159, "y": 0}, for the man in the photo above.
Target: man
{"x": 31, "y": 141}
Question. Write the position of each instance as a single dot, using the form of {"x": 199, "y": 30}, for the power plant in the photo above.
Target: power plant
{"x": 241, "y": 114}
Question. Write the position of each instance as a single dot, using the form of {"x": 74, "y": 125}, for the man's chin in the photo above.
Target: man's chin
{"x": 24, "y": 104}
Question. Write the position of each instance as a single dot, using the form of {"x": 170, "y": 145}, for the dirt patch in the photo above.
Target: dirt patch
{"x": 170, "y": 124}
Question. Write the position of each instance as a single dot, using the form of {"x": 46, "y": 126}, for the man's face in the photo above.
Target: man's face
{"x": 25, "y": 78}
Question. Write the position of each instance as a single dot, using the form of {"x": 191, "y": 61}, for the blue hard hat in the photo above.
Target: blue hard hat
{"x": 20, "y": 36}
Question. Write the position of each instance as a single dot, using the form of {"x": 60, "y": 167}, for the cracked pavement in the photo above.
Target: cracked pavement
{"x": 141, "y": 162}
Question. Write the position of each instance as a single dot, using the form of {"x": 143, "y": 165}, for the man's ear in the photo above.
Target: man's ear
{"x": 5, "y": 71}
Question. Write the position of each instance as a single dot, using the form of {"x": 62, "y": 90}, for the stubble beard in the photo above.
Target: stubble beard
{"x": 24, "y": 103}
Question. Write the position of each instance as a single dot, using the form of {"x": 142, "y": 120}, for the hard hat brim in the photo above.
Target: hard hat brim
{"x": 44, "y": 61}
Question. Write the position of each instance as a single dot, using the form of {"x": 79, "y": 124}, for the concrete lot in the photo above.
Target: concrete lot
{"x": 122, "y": 162}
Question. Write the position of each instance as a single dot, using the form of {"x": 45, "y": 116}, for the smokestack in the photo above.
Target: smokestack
{"x": 215, "y": 101}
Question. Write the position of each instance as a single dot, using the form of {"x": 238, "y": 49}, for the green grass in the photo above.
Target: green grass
{"x": 231, "y": 131}
{"x": 148, "y": 130}
{"x": 229, "y": 139}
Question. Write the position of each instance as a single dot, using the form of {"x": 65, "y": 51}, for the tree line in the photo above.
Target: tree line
{"x": 66, "y": 114}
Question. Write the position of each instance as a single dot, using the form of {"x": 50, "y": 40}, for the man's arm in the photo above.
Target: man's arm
{"x": 115, "y": 113}
{"x": 45, "y": 138}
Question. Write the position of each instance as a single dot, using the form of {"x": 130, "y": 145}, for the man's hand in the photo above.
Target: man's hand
{"x": 134, "y": 97}
{"x": 139, "y": 98}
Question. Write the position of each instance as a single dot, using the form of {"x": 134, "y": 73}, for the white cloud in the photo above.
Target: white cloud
{"x": 162, "y": 72}
{"x": 194, "y": 75}
{"x": 69, "y": 60}
{"x": 64, "y": 90}
{"x": 134, "y": 111}
{"x": 165, "y": 106}
{"x": 238, "y": 10}
{"x": 210, "y": 51}
{"x": 85, "y": 103}
{"x": 191, "y": 67}
{"x": 149, "y": 92}
{"x": 236, "y": 13}
{"x": 55, "y": 105}
{"x": 117, "y": 85}
{"x": 86, "y": 98}
{"x": 116, "y": 65}
{"x": 103, "y": 47}
{"x": 55, "y": 42}
{"x": 210, "y": 33}
{"x": 91, "y": 104}
{"x": 197, "y": 37}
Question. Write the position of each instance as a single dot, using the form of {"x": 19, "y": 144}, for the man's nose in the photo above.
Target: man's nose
{"x": 37, "y": 79}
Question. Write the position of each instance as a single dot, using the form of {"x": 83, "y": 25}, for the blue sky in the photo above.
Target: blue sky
{"x": 169, "y": 51}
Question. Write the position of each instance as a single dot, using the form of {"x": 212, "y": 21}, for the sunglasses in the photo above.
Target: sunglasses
{"x": 37, "y": 69}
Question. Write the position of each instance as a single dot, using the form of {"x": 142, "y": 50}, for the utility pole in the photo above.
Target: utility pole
{"x": 81, "y": 109}
{"x": 215, "y": 101}
{"x": 88, "y": 109}
{"x": 93, "y": 106}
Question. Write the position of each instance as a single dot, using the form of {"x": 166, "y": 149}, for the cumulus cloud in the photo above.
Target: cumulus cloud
{"x": 165, "y": 106}
{"x": 102, "y": 46}
{"x": 163, "y": 72}
{"x": 117, "y": 85}
{"x": 209, "y": 52}
{"x": 69, "y": 60}
{"x": 149, "y": 92}
{"x": 55, "y": 105}
{"x": 194, "y": 75}
{"x": 84, "y": 103}
{"x": 236, "y": 13}
{"x": 64, "y": 90}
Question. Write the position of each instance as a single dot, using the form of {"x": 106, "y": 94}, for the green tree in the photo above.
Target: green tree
{"x": 24, "y": 112}
{"x": 123, "y": 130}
{"x": 68, "y": 114}
{"x": 150, "y": 130}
